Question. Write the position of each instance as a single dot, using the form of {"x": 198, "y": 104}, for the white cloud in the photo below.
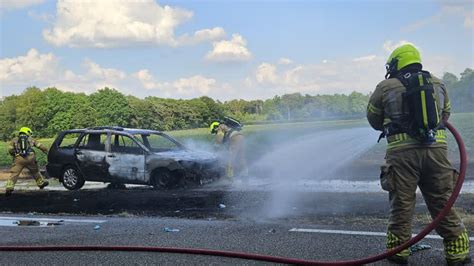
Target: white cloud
{"x": 190, "y": 87}
{"x": 266, "y": 74}
{"x": 332, "y": 75}
{"x": 460, "y": 9}
{"x": 116, "y": 23}
{"x": 340, "y": 75}
{"x": 29, "y": 68}
{"x": 284, "y": 61}
{"x": 45, "y": 70}
{"x": 469, "y": 21}
{"x": 198, "y": 83}
{"x": 230, "y": 51}
{"x": 329, "y": 76}
{"x": 18, "y": 4}
{"x": 365, "y": 58}
{"x": 463, "y": 10}
{"x": 389, "y": 45}
{"x": 203, "y": 35}
{"x": 92, "y": 78}
{"x": 146, "y": 79}
{"x": 95, "y": 71}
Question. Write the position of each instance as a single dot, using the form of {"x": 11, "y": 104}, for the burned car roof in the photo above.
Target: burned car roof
{"x": 115, "y": 129}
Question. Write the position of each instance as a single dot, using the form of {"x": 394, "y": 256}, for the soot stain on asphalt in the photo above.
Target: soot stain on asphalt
{"x": 200, "y": 203}
{"x": 147, "y": 202}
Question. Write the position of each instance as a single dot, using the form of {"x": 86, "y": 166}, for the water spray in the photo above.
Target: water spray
{"x": 275, "y": 259}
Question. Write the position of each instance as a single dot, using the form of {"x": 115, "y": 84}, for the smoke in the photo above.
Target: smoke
{"x": 199, "y": 145}
{"x": 283, "y": 166}
{"x": 208, "y": 147}
{"x": 290, "y": 166}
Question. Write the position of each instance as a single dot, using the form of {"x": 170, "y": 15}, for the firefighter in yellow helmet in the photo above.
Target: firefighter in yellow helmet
{"x": 21, "y": 148}
{"x": 409, "y": 107}
{"x": 228, "y": 135}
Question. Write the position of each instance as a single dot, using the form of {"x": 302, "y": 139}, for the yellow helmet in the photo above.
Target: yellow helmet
{"x": 213, "y": 127}
{"x": 26, "y": 130}
{"x": 401, "y": 57}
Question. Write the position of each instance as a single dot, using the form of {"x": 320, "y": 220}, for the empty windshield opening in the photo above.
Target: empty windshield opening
{"x": 158, "y": 142}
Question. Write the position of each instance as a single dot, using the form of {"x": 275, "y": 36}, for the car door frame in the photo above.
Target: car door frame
{"x": 127, "y": 167}
{"x": 92, "y": 163}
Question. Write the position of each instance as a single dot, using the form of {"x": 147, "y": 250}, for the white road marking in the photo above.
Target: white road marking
{"x": 360, "y": 233}
{"x": 52, "y": 219}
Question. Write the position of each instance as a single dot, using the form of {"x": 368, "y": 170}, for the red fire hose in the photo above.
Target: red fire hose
{"x": 275, "y": 259}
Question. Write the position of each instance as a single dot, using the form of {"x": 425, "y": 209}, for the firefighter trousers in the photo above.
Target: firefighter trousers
{"x": 430, "y": 170}
{"x": 19, "y": 164}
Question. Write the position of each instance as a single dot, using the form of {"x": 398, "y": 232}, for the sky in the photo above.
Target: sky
{"x": 224, "y": 49}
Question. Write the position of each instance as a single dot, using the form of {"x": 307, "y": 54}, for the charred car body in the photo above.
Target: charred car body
{"x": 127, "y": 156}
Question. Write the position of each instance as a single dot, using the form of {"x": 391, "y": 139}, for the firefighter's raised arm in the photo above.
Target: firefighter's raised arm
{"x": 40, "y": 146}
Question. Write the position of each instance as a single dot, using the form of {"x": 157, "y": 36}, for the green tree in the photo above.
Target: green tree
{"x": 32, "y": 110}
{"x": 214, "y": 110}
{"x": 358, "y": 103}
{"x": 8, "y": 117}
{"x": 449, "y": 79}
{"x": 111, "y": 107}
{"x": 461, "y": 91}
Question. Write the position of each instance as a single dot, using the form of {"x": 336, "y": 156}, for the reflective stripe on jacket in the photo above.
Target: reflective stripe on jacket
{"x": 13, "y": 146}
{"x": 404, "y": 140}
{"x": 386, "y": 104}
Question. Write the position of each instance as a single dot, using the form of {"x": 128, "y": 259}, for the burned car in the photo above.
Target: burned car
{"x": 127, "y": 156}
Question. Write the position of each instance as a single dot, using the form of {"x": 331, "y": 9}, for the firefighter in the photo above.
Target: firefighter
{"x": 228, "y": 135}
{"x": 21, "y": 148}
{"x": 409, "y": 107}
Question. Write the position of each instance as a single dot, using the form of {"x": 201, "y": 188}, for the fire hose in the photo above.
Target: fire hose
{"x": 276, "y": 259}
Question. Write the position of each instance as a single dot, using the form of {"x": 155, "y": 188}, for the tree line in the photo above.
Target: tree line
{"x": 50, "y": 110}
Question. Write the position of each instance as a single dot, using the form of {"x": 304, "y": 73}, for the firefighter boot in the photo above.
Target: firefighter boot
{"x": 400, "y": 258}
{"x": 40, "y": 182}
{"x": 45, "y": 184}
{"x": 457, "y": 251}
{"x": 9, "y": 188}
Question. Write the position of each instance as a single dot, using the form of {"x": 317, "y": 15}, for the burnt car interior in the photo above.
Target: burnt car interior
{"x": 93, "y": 141}
{"x": 158, "y": 143}
{"x": 69, "y": 140}
{"x": 124, "y": 144}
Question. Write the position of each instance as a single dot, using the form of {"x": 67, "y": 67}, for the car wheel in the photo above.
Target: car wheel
{"x": 163, "y": 178}
{"x": 72, "y": 179}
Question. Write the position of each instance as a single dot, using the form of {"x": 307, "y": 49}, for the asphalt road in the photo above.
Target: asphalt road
{"x": 263, "y": 237}
{"x": 248, "y": 221}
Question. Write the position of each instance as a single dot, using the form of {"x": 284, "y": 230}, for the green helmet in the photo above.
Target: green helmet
{"x": 401, "y": 57}
{"x": 213, "y": 127}
{"x": 26, "y": 131}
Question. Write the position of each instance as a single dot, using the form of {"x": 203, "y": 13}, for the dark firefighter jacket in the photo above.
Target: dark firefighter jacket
{"x": 13, "y": 146}
{"x": 386, "y": 104}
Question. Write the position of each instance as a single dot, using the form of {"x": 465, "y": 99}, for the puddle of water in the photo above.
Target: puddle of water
{"x": 8, "y": 223}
